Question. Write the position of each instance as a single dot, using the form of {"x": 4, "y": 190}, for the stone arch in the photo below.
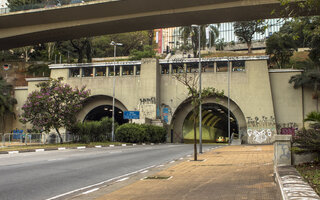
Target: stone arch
{"x": 96, "y": 101}
{"x": 184, "y": 109}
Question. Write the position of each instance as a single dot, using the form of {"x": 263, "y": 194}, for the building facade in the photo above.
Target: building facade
{"x": 262, "y": 102}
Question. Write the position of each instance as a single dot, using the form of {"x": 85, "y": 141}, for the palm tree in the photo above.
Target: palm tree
{"x": 7, "y": 102}
{"x": 213, "y": 35}
{"x": 192, "y": 32}
{"x": 308, "y": 79}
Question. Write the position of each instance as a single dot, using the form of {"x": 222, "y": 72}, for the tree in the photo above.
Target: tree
{"x": 53, "y": 106}
{"x": 16, "y": 5}
{"x": 82, "y": 46}
{"x": 309, "y": 79}
{"x": 147, "y": 52}
{"x": 246, "y": 29}
{"x": 306, "y": 6}
{"x": 280, "y": 48}
{"x": 7, "y": 101}
{"x": 191, "y": 82}
{"x": 193, "y": 33}
{"x": 213, "y": 35}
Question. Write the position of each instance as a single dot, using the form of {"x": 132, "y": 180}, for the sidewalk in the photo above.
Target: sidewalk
{"x": 232, "y": 172}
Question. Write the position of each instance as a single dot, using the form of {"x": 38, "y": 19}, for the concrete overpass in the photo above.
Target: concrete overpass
{"x": 115, "y": 16}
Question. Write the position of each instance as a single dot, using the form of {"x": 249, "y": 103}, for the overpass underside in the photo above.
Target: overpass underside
{"x": 117, "y": 16}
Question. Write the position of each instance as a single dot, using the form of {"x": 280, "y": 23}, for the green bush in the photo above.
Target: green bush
{"x": 135, "y": 133}
{"x": 93, "y": 131}
{"x": 308, "y": 140}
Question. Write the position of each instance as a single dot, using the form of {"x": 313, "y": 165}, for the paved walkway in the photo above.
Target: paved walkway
{"x": 233, "y": 172}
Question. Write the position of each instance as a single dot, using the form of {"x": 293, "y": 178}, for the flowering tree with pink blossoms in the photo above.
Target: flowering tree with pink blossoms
{"x": 53, "y": 106}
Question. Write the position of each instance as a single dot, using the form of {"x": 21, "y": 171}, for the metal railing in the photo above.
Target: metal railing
{"x": 15, "y": 139}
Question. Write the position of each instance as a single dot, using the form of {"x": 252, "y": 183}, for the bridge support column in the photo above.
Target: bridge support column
{"x": 282, "y": 150}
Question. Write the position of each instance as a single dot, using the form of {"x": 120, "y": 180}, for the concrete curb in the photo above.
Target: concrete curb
{"x": 79, "y": 147}
{"x": 292, "y": 185}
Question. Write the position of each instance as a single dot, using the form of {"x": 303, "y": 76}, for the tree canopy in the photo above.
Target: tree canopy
{"x": 53, "y": 106}
{"x": 246, "y": 29}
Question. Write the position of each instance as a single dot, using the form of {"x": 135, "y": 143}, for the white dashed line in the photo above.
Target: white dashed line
{"x": 93, "y": 190}
{"x": 103, "y": 182}
{"x": 123, "y": 179}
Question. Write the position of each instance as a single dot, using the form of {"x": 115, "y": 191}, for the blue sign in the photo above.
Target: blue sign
{"x": 131, "y": 115}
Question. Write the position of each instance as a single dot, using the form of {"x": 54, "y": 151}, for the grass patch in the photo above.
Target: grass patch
{"x": 311, "y": 173}
{"x": 53, "y": 146}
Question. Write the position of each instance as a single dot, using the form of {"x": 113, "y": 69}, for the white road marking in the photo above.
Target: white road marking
{"x": 61, "y": 148}
{"x": 172, "y": 161}
{"x": 160, "y": 165}
{"x": 124, "y": 145}
{"x": 93, "y": 190}
{"x": 55, "y": 159}
{"x": 98, "y": 146}
{"x": 103, "y": 182}
{"x": 38, "y": 150}
{"x": 144, "y": 171}
{"x": 83, "y": 147}
{"x": 111, "y": 145}
{"x": 123, "y": 179}
{"x": 13, "y": 152}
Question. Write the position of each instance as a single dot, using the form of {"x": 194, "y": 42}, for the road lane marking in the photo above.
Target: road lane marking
{"x": 103, "y": 182}
{"x": 123, "y": 179}
{"x": 89, "y": 191}
{"x": 144, "y": 171}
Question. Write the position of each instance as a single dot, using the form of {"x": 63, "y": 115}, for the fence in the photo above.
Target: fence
{"x": 15, "y": 139}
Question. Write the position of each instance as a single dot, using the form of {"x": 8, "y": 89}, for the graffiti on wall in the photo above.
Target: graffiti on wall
{"x": 260, "y": 130}
{"x": 147, "y": 107}
{"x": 287, "y": 128}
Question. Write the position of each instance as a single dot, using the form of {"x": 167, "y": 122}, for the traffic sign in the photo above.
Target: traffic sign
{"x": 131, "y": 115}
{"x": 6, "y": 67}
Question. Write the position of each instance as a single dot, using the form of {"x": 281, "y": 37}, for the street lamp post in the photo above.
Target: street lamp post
{"x": 114, "y": 44}
{"x": 200, "y": 106}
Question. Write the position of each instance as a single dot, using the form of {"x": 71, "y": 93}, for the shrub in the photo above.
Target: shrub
{"x": 93, "y": 131}
{"x": 140, "y": 133}
{"x": 308, "y": 140}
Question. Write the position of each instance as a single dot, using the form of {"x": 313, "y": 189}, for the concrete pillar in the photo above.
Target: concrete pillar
{"x": 94, "y": 72}
{"x": 282, "y": 150}
{"x": 135, "y": 70}
{"x": 215, "y": 67}
{"x": 120, "y": 70}
{"x": 170, "y": 68}
{"x": 107, "y": 71}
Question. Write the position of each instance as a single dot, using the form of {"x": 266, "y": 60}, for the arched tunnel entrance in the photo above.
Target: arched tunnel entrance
{"x": 214, "y": 124}
{"x": 102, "y": 111}
{"x": 214, "y": 121}
{"x": 98, "y": 106}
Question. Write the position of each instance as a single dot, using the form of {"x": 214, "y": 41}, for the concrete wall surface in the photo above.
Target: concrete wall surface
{"x": 260, "y": 99}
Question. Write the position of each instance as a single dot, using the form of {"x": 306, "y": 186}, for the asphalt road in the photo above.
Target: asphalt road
{"x": 42, "y": 175}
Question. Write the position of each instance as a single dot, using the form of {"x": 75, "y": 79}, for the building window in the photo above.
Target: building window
{"x": 238, "y": 66}
{"x": 192, "y": 67}
{"x": 222, "y": 66}
{"x": 111, "y": 72}
{"x": 101, "y": 71}
{"x": 207, "y": 66}
{"x": 177, "y": 68}
{"x": 74, "y": 72}
{"x": 164, "y": 68}
{"x": 127, "y": 70}
{"x": 87, "y": 72}
{"x": 138, "y": 69}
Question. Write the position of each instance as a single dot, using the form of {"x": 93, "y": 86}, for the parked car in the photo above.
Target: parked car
{"x": 220, "y": 139}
